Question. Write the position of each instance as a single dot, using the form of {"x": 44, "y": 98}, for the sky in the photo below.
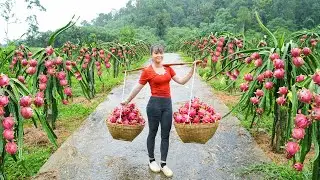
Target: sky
{"x": 58, "y": 13}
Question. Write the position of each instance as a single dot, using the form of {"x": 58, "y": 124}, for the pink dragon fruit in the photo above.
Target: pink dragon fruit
{"x": 11, "y": 148}
{"x": 300, "y": 78}
{"x": 25, "y": 101}
{"x": 295, "y": 52}
{"x": 274, "y": 56}
{"x": 8, "y": 122}
{"x": 298, "y": 133}
{"x": 268, "y": 85}
{"x": 4, "y": 80}
{"x": 4, "y": 101}
{"x": 268, "y": 74}
{"x": 283, "y": 90}
{"x": 259, "y": 93}
{"x": 254, "y": 100}
{"x": 301, "y": 121}
{"x": 281, "y": 100}
{"x": 305, "y": 96}
{"x": 292, "y": 148}
{"x": 244, "y": 87}
{"x": 315, "y": 113}
{"x": 279, "y": 73}
{"x": 298, "y": 61}
{"x": 316, "y": 78}
{"x": 298, "y": 166}
{"x": 278, "y": 64}
{"x": 306, "y": 51}
{"x": 8, "y": 134}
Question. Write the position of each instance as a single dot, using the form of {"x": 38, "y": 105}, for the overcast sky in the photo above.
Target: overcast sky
{"x": 57, "y": 14}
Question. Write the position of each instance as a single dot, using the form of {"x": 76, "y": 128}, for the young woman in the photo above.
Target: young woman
{"x": 159, "y": 108}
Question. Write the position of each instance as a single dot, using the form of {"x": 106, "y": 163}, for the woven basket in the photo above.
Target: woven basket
{"x": 124, "y": 132}
{"x": 196, "y": 133}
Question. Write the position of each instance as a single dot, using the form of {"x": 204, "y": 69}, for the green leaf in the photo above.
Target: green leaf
{"x": 20, "y": 134}
{"x": 2, "y": 141}
{"x": 315, "y": 59}
{"x": 292, "y": 96}
{"x": 315, "y": 140}
{"x": 54, "y": 112}
{"x": 41, "y": 51}
{"x": 52, "y": 137}
{"x": 21, "y": 86}
{"x": 84, "y": 89}
{"x": 266, "y": 29}
{"x": 59, "y": 89}
{"x": 54, "y": 87}
{"x": 55, "y": 34}
{"x": 12, "y": 96}
{"x": 294, "y": 102}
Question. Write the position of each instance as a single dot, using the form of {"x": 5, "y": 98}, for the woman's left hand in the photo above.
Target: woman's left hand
{"x": 197, "y": 62}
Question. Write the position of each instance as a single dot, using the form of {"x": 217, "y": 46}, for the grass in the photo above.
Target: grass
{"x": 275, "y": 170}
{"x": 35, "y": 155}
{"x": 33, "y": 159}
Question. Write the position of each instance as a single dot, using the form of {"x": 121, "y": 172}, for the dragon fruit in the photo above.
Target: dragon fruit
{"x": 127, "y": 115}
{"x": 199, "y": 113}
{"x": 11, "y": 148}
{"x": 298, "y": 133}
{"x": 292, "y": 148}
{"x": 305, "y": 96}
{"x": 301, "y": 121}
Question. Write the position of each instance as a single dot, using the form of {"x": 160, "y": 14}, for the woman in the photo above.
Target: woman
{"x": 159, "y": 108}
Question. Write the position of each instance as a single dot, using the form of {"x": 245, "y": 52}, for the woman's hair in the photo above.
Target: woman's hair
{"x": 156, "y": 48}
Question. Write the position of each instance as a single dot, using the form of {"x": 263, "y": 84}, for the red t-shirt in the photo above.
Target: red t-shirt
{"x": 159, "y": 84}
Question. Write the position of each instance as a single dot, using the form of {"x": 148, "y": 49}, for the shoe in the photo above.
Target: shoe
{"x": 154, "y": 166}
{"x": 166, "y": 171}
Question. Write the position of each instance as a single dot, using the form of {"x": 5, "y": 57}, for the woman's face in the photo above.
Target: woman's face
{"x": 157, "y": 55}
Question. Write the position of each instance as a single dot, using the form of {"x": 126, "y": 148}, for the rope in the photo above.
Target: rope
{"x": 124, "y": 85}
{"x": 191, "y": 94}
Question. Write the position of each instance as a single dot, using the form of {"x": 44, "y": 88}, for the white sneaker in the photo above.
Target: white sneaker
{"x": 166, "y": 171}
{"x": 154, "y": 166}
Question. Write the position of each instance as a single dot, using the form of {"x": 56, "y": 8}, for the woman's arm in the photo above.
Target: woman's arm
{"x": 186, "y": 78}
{"x": 133, "y": 93}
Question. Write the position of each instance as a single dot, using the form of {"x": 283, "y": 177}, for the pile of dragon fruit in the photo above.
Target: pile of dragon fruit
{"x": 199, "y": 113}
{"x": 130, "y": 115}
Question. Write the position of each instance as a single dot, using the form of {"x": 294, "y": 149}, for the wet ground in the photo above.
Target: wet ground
{"x": 91, "y": 153}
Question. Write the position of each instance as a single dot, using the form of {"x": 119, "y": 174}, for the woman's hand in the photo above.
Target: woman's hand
{"x": 124, "y": 103}
{"x": 185, "y": 79}
{"x": 196, "y": 62}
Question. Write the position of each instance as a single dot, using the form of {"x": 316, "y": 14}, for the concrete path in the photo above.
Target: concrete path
{"x": 91, "y": 153}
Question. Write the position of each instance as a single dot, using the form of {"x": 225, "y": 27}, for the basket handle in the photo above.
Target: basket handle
{"x": 124, "y": 85}
{"x": 191, "y": 93}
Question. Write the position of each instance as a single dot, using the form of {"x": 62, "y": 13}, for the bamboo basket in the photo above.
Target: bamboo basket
{"x": 196, "y": 133}
{"x": 124, "y": 132}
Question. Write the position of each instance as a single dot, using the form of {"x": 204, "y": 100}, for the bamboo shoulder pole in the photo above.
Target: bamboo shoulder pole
{"x": 170, "y": 64}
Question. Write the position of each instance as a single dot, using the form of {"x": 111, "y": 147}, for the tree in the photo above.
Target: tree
{"x": 102, "y": 19}
{"x": 6, "y": 10}
{"x": 8, "y": 15}
{"x": 161, "y": 22}
{"x": 127, "y": 34}
{"x": 85, "y": 23}
{"x": 224, "y": 21}
{"x": 243, "y": 18}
